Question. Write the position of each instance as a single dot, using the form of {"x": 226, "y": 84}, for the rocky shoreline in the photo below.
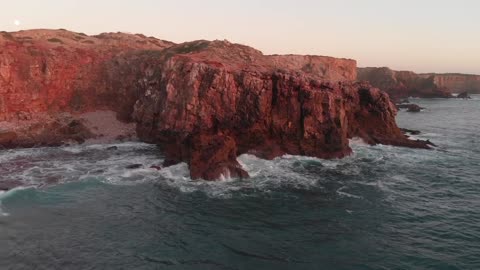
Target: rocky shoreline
{"x": 202, "y": 102}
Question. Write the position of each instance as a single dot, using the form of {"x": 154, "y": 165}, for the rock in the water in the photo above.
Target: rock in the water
{"x": 9, "y": 185}
{"x": 464, "y": 95}
{"x": 410, "y": 107}
{"x": 134, "y": 166}
{"x": 410, "y": 131}
{"x": 431, "y": 143}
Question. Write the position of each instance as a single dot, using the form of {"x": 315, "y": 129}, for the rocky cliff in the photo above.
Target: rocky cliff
{"x": 458, "y": 83}
{"x": 59, "y": 71}
{"x": 402, "y": 84}
{"x": 208, "y": 102}
{"x": 203, "y": 102}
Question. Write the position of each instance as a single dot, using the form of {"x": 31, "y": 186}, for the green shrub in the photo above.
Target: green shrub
{"x": 55, "y": 40}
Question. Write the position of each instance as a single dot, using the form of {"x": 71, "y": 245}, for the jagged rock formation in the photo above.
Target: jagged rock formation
{"x": 456, "y": 82}
{"x": 402, "y": 84}
{"x": 203, "y": 102}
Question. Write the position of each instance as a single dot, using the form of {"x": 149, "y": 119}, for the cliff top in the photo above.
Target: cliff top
{"x": 49, "y": 38}
{"x": 218, "y": 52}
{"x": 450, "y": 74}
{"x": 241, "y": 57}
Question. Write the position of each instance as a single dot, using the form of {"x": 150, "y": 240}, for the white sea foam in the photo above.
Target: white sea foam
{"x": 357, "y": 141}
{"x": 341, "y": 192}
{"x": 111, "y": 167}
{"x": 67, "y": 164}
{"x": 2, "y": 212}
{"x": 266, "y": 175}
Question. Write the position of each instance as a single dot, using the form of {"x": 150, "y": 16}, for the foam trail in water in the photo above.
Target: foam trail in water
{"x": 78, "y": 163}
{"x": 346, "y": 194}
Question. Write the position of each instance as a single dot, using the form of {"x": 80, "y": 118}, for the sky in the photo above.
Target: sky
{"x": 420, "y": 35}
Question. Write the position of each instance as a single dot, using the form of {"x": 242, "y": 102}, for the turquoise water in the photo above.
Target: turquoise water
{"x": 382, "y": 208}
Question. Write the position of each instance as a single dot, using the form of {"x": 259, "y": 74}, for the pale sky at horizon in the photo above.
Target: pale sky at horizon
{"x": 421, "y": 35}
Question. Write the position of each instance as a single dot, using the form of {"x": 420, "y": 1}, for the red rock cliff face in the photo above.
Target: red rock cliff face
{"x": 402, "y": 84}
{"x": 208, "y": 102}
{"x": 58, "y": 71}
{"x": 457, "y": 82}
{"x": 204, "y": 102}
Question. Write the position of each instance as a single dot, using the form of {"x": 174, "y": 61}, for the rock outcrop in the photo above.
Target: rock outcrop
{"x": 456, "y": 82}
{"x": 410, "y": 107}
{"x": 403, "y": 84}
{"x": 203, "y": 102}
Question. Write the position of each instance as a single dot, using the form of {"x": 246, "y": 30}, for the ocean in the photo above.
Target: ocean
{"x": 383, "y": 207}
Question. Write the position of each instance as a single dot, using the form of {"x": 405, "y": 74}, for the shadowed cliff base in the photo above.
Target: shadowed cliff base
{"x": 203, "y": 102}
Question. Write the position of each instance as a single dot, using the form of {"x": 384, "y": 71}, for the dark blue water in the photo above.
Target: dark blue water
{"x": 382, "y": 208}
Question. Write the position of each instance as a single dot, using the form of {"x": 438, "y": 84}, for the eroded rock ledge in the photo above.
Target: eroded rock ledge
{"x": 203, "y": 102}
